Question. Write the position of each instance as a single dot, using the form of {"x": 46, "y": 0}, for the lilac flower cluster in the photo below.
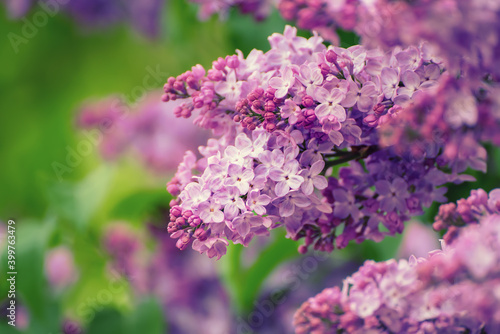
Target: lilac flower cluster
{"x": 466, "y": 211}
{"x": 143, "y": 15}
{"x": 465, "y": 97}
{"x": 389, "y": 23}
{"x": 149, "y": 129}
{"x": 455, "y": 290}
{"x": 286, "y": 116}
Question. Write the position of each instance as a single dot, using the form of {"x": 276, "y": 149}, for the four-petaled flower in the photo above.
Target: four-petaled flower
{"x": 283, "y": 84}
{"x": 329, "y": 103}
{"x": 256, "y": 202}
{"x": 287, "y": 178}
{"x": 393, "y": 194}
{"x": 210, "y": 212}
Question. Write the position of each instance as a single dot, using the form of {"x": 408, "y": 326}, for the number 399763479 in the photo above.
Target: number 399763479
{"x": 11, "y": 240}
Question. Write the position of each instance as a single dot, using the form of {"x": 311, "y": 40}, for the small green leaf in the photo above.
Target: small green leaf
{"x": 245, "y": 284}
{"x": 78, "y": 202}
{"x": 31, "y": 285}
{"x": 146, "y": 318}
{"x": 108, "y": 321}
{"x": 141, "y": 204}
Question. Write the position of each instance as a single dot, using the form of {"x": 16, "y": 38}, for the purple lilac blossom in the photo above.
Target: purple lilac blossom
{"x": 258, "y": 8}
{"x": 22, "y": 314}
{"x": 452, "y": 217}
{"x": 453, "y": 290}
{"x": 143, "y": 15}
{"x": 18, "y": 8}
{"x": 150, "y": 131}
{"x": 70, "y": 326}
{"x": 388, "y": 23}
{"x": 282, "y": 115}
{"x": 418, "y": 240}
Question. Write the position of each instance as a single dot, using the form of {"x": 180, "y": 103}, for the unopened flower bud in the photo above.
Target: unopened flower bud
{"x": 307, "y": 101}
{"x": 331, "y": 56}
{"x": 232, "y": 61}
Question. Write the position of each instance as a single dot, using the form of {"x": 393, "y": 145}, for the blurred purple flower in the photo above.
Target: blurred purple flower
{"x": 151, "y": 131}
{"x": 18, "y": 8}
{"x": 60, "y": 268}
{"x": 418, "y": 240}
{"x": 144, "y": 15}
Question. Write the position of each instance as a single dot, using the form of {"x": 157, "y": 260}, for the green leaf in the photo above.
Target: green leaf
{"x": 31, "y": 284}
{"x": 79, "y": 202}
{"x": 232, "y": 272}
{"x": 347, "y": 38}
{"x": 146, "y": 318}
{"x": 141, "y": 204}
{"x": 245, "y": 284}
{"x": 278, "y": 252}
{"x": 8, "y": 329}
{"x": 108, "y": 321}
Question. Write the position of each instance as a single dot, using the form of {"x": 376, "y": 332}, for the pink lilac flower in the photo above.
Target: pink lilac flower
{"x": 418, "y": 240}
{"x": 17, "y": 9}
{"x": 387, "y": 24}
{"x": 286, "y": 178}
{"x": 386, "y": 117}
{"x": 60, "y": 268}
{"x": 329, "y": 104}
{"x": 257, "y": 202}
{"x": 283, "y": 84}
{"x": 258, "y": 8}
{"x": 453, "y": 290}
{"x": 313, "y": 179}
{"x": 467, "y": 211}
{"x": 210, "y": 212}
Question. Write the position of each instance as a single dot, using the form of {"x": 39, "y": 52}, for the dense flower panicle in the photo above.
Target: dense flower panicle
{"x": 285, "y": 116}
{"x": 454, "y": 118}
{"x": 150, "y": 130}
{"x": 143, "y": 15}
{"x": 460, "y": 32}
{"x": 455, "y": 290}
{"x": 466, "y": 211}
